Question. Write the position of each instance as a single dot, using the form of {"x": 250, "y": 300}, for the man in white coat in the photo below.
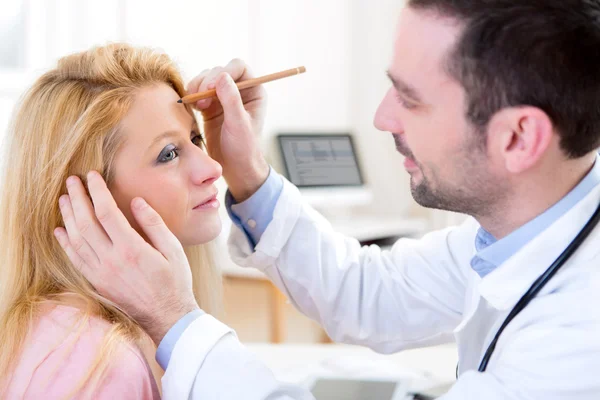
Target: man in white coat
{"x": 495, "y": 106}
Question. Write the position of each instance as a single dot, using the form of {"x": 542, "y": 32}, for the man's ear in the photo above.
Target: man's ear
{"x": 521, "y": 136}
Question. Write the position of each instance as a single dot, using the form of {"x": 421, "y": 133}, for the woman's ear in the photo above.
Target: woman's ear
{"x": 520, "y": 136}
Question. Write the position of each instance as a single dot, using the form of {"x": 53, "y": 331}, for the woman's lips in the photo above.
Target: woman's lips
{"x": 209, "y": 204}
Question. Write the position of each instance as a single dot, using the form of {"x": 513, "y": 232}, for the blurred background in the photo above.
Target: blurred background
{"x": 345, "y": 46}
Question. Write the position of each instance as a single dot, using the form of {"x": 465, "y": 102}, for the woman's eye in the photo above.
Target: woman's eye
{"x": 168, "y": 154}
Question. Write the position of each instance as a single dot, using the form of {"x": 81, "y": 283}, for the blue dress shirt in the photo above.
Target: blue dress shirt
{"x": 254, "y": 215}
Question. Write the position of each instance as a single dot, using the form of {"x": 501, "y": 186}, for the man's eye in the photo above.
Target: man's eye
{"x": 168, "y": 154}
{"x": 405, "y": 104}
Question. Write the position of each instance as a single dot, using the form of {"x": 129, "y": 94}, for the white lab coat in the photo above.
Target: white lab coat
{"x": 422, "y": 292}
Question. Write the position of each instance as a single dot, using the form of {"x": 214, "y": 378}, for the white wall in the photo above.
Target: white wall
{"x": 54, "y": 28}
{"x": 196, "y": 34}
{"x": 372, "y": 37}
{"x": 315, "y": 34}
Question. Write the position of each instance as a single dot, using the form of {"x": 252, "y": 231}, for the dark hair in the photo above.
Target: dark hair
{"x": 541, "y": 53}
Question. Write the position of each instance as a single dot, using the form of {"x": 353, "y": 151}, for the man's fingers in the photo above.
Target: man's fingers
{"x": 107, "y": 212}
{"x": 207, "y": 83}
{"x": 194, "y": 84}
{"x": 207, "y": 80}
{"x": 238, "y": 70}
{"x": 155, "y": 228}
{"x": 85, "y": 218}
{"x": 63, "y": 239}
{"x": 194, "y": 87}
{"x": 235, "y": 114}
{"x": 77, "y": 242}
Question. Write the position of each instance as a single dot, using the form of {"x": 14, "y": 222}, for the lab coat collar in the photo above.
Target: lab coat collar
{"x": 504, "y": 286}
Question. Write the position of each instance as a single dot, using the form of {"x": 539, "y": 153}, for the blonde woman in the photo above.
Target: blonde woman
{"x": 113, "y": 110}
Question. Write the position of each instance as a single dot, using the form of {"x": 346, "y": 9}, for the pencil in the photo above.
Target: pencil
{"x": 192, "y": 98}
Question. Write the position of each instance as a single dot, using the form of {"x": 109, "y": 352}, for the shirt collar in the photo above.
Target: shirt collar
{"x": 491, "y": 252}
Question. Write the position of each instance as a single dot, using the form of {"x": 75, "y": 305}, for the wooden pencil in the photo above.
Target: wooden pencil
{"x": 192, "y": 98}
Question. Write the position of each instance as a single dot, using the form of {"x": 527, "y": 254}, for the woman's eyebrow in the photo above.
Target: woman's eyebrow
{"x": 171, "y": 133}
{"x": 163, "y": 135}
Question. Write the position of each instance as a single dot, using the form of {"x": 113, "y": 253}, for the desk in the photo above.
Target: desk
{"x": 258, "y": 283}
{"x": 298, "y": 363}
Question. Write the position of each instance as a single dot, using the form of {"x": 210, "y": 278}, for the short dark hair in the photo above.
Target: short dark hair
{"x": 541, "y": 53}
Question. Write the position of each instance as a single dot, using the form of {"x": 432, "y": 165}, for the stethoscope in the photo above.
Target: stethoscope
{"x": 539, "y": 284}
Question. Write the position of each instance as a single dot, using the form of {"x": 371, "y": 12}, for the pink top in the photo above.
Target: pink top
{"x": 59, "y": 353}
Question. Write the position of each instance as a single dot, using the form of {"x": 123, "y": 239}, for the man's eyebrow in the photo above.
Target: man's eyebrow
{"x": 168, "y": 134}
{"x": 404, "y": 88}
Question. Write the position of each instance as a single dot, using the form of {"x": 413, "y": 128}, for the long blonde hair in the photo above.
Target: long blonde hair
{"x": 68, "y": 124}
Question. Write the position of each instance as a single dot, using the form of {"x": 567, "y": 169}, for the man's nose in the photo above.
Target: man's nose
{"x": 387, "y": 118}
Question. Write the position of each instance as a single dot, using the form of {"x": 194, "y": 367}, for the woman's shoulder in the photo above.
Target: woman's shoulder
{"x": 64, "y": 347}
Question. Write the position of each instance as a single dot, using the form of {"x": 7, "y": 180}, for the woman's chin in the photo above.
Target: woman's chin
{"x": 200, "y": 235}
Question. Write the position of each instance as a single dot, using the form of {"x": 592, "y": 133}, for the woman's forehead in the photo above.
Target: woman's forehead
{"x": 155, "y": 110}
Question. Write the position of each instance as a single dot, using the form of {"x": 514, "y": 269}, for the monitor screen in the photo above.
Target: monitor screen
{"x": 320, "y": 160}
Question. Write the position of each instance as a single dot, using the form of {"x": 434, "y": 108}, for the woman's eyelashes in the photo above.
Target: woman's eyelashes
{"x": 171, "y": 151}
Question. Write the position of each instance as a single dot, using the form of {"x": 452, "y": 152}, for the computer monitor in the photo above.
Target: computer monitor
{"x": 325, "y": 168}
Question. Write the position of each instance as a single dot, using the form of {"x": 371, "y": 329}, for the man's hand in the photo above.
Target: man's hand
{"x": 232, "y": 124}
{"x": 152, "y": 284}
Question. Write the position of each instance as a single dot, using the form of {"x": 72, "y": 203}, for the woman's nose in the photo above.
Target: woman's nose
{"x": 204, "y": 169}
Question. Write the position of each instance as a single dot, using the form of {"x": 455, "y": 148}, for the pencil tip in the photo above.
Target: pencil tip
{"x": 180, "y": 101}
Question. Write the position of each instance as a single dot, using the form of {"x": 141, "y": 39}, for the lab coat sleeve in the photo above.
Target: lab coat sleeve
{"x": 411, "y": 296}
{"x": 208, "y": 363}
